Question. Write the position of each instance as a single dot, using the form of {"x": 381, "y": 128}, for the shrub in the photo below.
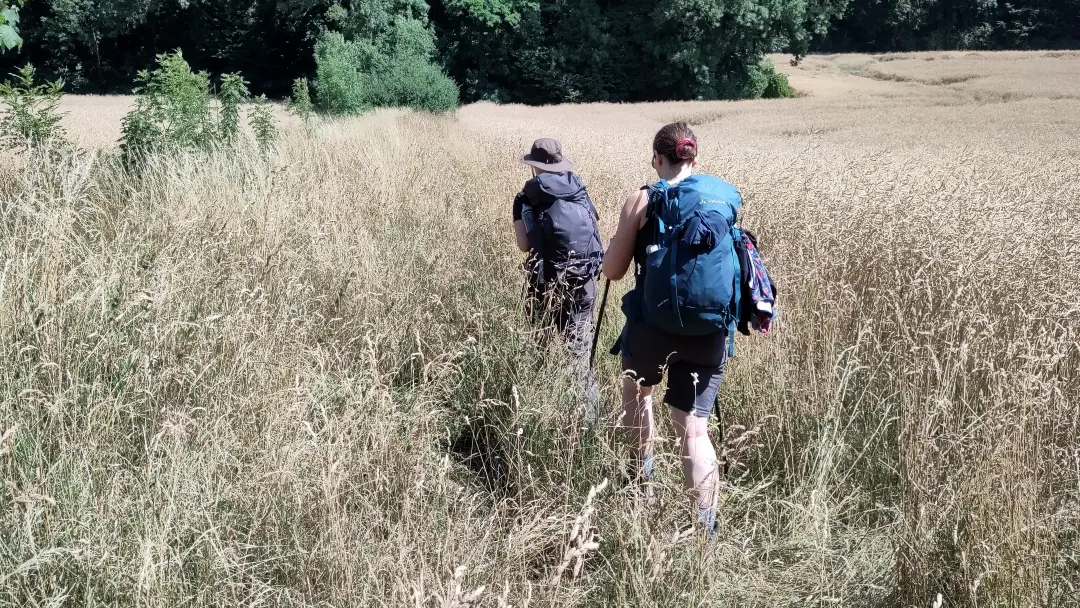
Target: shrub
{"x": 355, "y": 75}
{"x": 757, "y": 81}
{"x": 412, "y": 82}
{"x": 301, "y": 99}
{"x": 234, "y": 92}
{"x": 777, "y": 85}
{"x": 338, "y": 84}
{"x": 263, "y": 124}
{"x": 31, "y": 119}
{"x": 174, "y": 109}
{"x": 760, "y": 80}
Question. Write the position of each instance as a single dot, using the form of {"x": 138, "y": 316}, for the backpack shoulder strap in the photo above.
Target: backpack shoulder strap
{"x": 656, "y": 193}
{"x": 534, "y": 231}
{"x": 650, "y": 196}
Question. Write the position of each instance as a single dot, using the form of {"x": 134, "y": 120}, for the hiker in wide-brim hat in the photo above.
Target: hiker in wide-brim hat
{"x": 547, "y": 155}
{"x": 556, "y": 223}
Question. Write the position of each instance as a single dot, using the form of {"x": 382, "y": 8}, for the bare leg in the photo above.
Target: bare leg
{"x": 638, "y": 419}
{"x": 699, "y": 459}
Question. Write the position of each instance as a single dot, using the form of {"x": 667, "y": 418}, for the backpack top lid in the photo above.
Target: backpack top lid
{"x": 675, "y": 202}
{"x": 546, "y": 188}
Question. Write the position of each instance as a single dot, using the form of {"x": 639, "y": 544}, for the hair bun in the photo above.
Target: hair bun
{"x": 676, "y": 143}
{"x": 686, "y": 149}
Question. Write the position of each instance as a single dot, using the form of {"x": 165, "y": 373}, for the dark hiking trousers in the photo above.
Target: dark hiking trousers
{"x": 571, "y": 316}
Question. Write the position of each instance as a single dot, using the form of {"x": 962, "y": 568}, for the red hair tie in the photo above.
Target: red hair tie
{"x": 688, "y": 142}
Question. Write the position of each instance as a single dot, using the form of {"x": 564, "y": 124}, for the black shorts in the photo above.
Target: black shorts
{"x": 694, "y": 365}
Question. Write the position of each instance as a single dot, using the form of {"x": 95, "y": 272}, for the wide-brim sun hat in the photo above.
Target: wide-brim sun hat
{"x": 546, "y": 155}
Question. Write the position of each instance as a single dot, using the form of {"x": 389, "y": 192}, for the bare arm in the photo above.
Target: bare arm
{"x": 521, "y": 236}
{"x": 620, "y": 250}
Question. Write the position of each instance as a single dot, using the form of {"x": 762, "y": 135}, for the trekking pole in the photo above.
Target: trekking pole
{"x": 599, "y": 321}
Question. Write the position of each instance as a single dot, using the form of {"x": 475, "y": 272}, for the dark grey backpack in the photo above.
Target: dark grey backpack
{"x": 561, "y": 223}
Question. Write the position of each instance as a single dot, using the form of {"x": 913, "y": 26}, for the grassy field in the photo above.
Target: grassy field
{"x": 307, "y": 381}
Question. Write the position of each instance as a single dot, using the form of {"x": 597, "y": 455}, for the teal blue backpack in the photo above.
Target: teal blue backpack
{"x": 692, "y": 276}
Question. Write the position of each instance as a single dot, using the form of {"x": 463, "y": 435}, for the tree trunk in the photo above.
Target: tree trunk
{"x": 97, "y": 61}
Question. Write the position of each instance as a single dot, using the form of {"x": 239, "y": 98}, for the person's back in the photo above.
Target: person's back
{"x": 564, "y": 243}
{"x": 677, "y": 323}
{"x": 555, "y": 222}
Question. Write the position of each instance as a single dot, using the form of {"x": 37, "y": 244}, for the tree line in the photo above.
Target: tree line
{"x": 433, "y": 53}
{"x": 910, "y": 25}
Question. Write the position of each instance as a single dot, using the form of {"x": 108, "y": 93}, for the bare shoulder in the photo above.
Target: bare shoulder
{"x": 635, "y": 206}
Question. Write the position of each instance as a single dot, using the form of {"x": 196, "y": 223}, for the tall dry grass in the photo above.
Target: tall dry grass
{"x": 308, "y": 382}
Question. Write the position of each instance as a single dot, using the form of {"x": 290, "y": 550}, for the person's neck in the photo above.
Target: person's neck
{"x": 674, "y": 174}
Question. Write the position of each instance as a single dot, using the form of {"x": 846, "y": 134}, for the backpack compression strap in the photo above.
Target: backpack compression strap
{"x": 736, "y": 288}
{"x": 674, "y": 253}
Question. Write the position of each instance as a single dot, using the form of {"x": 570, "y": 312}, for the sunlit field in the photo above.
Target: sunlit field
{"x": 306, "y": 380}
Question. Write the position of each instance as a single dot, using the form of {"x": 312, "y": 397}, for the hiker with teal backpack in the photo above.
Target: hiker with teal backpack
{"x": 691, "y": 294}
{"x": 556, "y": 223}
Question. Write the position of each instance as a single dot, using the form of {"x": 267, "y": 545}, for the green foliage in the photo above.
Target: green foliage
{"x": 174, "y": 110}
{"x": 754, "y": 85}
{"x": 490, "y": 13}
{"x": 338, "y": 86}
{"x": 394, "y": 70}
{"x": 776, "y": 83}
{"x": 905, "y": 25}
{"x": 234, "y": 92}
{"x": 594, "y": 50}
{"x": 409, "y": 81}
{"x": 523, "y": 51}
{"x": 89, "y": 26}
{"x": 139, "y": 135}
{"x": 301, "y": 99}
{"x": 9, "y": 24}
{"x": 263, "y": 123}
{"x": 31, "y": 118}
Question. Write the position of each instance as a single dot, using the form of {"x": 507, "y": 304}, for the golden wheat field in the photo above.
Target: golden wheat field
{"x": 306, "y": 380}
